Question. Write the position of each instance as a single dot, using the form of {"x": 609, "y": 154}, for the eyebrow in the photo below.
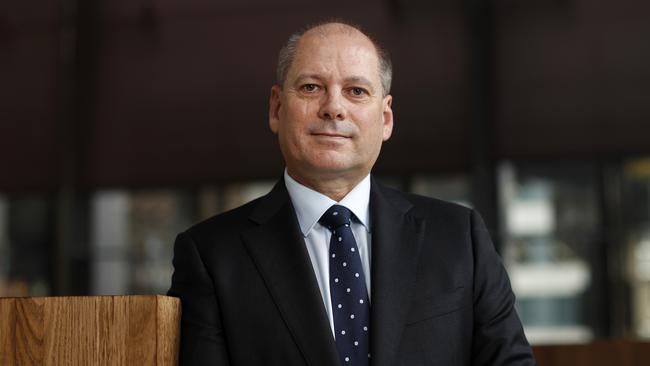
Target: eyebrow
{"x": 359, "y": 80}
{"x": 301, "y": 77}
{"x": 352, "y": 79}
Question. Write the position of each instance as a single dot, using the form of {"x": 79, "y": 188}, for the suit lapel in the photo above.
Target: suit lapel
{"x": 396, "y": 242}
{"x": 279, "y": 252}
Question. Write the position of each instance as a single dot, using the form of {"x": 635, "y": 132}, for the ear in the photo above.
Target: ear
{"x": 275, "y": 102}
{"x": 388, "y": 117}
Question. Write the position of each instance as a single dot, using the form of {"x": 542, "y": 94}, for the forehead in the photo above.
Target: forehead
{"x": 335, "y": 52}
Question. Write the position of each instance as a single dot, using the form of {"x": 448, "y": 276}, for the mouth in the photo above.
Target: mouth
{"x": 330, "y": 135}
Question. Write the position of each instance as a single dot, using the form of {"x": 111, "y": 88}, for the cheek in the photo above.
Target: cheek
{"x": 373, "y": 130}
{"x": 296, "y": 119}
{"x": 297, "y": 108}
{"x": 292, "y": 132}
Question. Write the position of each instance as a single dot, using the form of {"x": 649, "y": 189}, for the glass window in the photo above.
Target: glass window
{"x": 133, "y": 232}
{"x": 4, "y": 247}
{"x": 636, "y": 202}
{"x": 454, "y": 188}
{"x": 132, "y": 236}
{"x": 550, "y": 220}
{"x": 26, "y": 246}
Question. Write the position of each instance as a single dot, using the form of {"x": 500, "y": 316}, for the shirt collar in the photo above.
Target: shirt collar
{"x": 311, "y": 205}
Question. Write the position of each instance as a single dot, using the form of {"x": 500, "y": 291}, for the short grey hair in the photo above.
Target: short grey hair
{"x": 288, "y": 52}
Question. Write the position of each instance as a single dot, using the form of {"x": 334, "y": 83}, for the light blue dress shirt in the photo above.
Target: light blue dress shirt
{"x": 310, "y": 206}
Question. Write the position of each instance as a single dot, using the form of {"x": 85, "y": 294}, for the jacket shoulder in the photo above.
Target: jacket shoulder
{"x": 428, "y": 207}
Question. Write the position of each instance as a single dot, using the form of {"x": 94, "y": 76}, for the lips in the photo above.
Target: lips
{"x": 330, "y": 135}
{"x": 332, "y": 131}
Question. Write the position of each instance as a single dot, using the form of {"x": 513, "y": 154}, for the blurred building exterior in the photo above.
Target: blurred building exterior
{"x": 124, "y": 122}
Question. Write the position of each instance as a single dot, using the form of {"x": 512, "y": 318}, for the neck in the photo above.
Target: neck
{"x": 335, "y": 188}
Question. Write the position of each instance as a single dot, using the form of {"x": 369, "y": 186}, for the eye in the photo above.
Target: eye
{"x": 358, "y": 92}
{"x": 309, "y": 88}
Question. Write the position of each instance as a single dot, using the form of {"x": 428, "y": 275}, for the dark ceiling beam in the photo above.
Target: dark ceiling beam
{"x": 77, "y": 44}
{"x": 480, "y": 30}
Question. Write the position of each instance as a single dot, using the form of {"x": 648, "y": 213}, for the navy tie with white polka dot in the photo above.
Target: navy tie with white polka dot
{"x": 350, "y": 306}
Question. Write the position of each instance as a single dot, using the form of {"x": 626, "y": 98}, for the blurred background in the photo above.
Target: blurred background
{"x": 123, "y": 122}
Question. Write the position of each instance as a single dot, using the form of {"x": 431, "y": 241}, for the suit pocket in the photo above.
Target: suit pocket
{"x": 434, "y": 305}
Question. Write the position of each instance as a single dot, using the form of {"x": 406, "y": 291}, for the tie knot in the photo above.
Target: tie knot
{"x": 336, "y": 216}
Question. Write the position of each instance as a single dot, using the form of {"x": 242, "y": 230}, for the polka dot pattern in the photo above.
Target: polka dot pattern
{"x": 348, "y": 289}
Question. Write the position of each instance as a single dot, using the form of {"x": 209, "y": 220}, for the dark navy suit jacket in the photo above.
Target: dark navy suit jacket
{"x": 440, "y": 294}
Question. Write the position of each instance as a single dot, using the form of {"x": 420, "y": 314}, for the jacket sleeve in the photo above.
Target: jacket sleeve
{"x": 498, "y": 334}
{"x": 202, "y": 338}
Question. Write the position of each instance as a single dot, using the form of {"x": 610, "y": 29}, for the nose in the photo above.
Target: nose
{"x": 331, "y": 107}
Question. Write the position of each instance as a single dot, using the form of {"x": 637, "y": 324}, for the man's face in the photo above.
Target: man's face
{"x": 331, "y": 116}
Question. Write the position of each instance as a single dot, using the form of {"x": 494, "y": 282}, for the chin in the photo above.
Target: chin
{"x": 333, "y": 169}
{"x": 330, "y": 161}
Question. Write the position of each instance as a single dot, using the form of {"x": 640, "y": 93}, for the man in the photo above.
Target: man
{"x": 331, "y": 267}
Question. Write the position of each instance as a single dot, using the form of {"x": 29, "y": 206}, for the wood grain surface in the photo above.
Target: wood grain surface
{"x": 600, "y": 353}
{"x": 89, "y": 330}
